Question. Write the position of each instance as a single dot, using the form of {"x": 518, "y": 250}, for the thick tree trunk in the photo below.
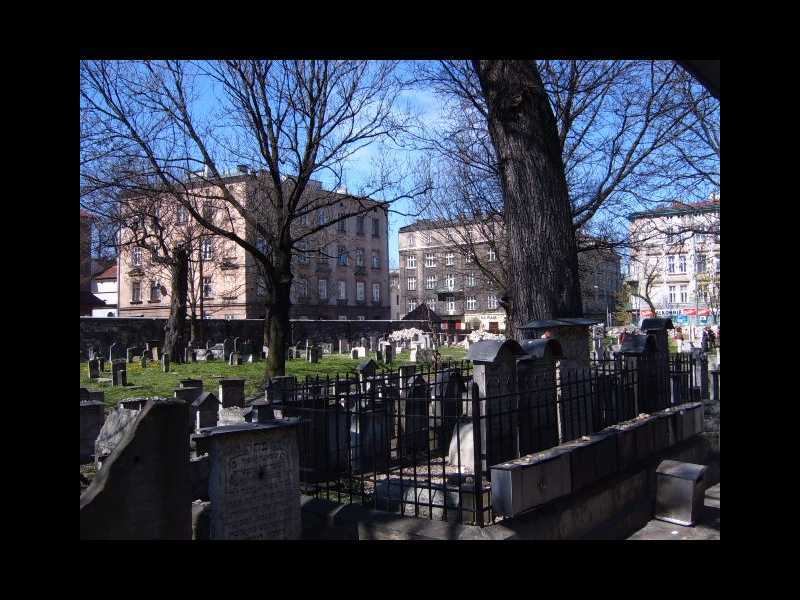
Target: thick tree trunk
{"x": 538, "y": 218}
{"x": 277, "y": 330}
{"x": 175, "y": 338}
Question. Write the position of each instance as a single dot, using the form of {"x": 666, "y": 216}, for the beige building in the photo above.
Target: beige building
{"x": 437, "y": 270}
{"x": 342, "y": 272}
{"x": 676, "y": 263}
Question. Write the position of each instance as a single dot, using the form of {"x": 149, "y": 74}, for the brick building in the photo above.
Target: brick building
{"x": 341, "y": 273}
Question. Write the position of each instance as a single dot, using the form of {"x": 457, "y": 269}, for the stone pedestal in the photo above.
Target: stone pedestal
{"x": 254, "y": 482}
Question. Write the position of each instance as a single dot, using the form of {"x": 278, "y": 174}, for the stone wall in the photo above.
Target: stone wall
{"x": 101, "y": 332}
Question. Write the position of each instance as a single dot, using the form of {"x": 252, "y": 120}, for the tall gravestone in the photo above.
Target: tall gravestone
{"x": 143, "y": 491}
{"x": 144, "y": 360}
{"x": 94, "y": 368}
{"x": 227, "y": 348}
{"x": 119, "y": 372}
{"x": 414, "y": 406}
{"x": 165, "y": 362}
{"x": 536, "y": 385}
{"x": 231, "y": 392}
{"x": 254, "y": 482}
{"x": 447, "y": 407}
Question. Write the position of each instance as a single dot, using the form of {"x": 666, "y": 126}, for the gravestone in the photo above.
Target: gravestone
{"x": 84, "y": 395}
{"x": 344, "y": 347}
{"x": 495, "y": 374}
{"x": 373, "y": 343}
{"x": 205, "y": 411}
{"x": 231, "y": 392}
{"x": 280, "y": 391}
{"x": 259, "y": 412}
{"x": 187, "y": 394}
{"x": 414, "y": 407}
{"x": 195, "y": 383}
{"x": 538, "y": 395}
{"x": 379, "y": 355}
{"x": 143, "y": 490}
{"x": 354, "y": 354}
{"x": 236, "y": 346}
{"x": 92, "y": 418}
{"x": 119, "y": 372}
{"x": 235, "y": 359}
{"x": 389, "y": 354}
{"x": 446, "y": 406}
{"x": 165, "y": 363}
{"x": 227, "y": 348}
{"x": 94, "y": 368}
{"x": 314, "y": 354}
{"x": 102, "y": 360}
{"x": 144, "y": 361}
{"x": 254, "y": 482}
{"x": 413, "y": 355}
{"x": 154, "y": 351}
{"x": 112, "y": 432}
{"x": 327, "y": 348}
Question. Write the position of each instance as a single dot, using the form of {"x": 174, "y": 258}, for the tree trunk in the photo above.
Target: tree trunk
{"x": 276, "y": 327}
{"x": 174, "y": 340}
{"x": 538, "y": 218}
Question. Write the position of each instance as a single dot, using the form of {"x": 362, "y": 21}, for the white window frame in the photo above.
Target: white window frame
{"x": 682, "y": 263}
{"x": 411, "y": 304}
{"x": 472, "y": 303}
{"x": 359, "y": 257}
{"x": 207, "y": 249}
{"x": 376, "y": 292}
{"x": 451, "y": 304}
{"x": 155, "y": 285}
{"x": 342, "y": 285}
{"x": 341, "y": 256}
{"x": 208, "y": 287}
{"x": 430, "y": 261}
{"x": 471, "y": 279}
{"x": 136, "y": 256}
{"x": 672, "y": 294}
{"x": 491, "y": 301}
{"x": 376, "y": 259}
{"x": 492, "y": 255}
{"x": 411, "y": 284}
{"x": 450, "y": 281}
{"x": 684, "y": 294}
{"x": 430, "y": 282}
{"x": 181, "y": 215}
{"x": 411, "y": 262}
{"x": 136, "y": 291}
{"x": 322, "y": 289}
{"x": 361, "y": 291}
{"x": 449, "y": 259}
{"x": 671, "y": 263}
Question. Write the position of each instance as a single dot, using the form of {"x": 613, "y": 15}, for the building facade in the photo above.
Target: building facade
{"x": 104, "y": 286}
{"x": 394, "y": 294}
{"x": 676, "y": 263}
{"x": 342, "y": 272}
{"x": 438, "y": 271}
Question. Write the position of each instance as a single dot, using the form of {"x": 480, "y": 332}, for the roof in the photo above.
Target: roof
{"x": 423, "y": 313}
{"x": 541, "y": 348}
{"x": 89, "y": 299}
{"x": 560, "y": 323}
{"x": 488, "y": 350}
{"x": 109, "y": 273}
{"x": 707, "y": 206}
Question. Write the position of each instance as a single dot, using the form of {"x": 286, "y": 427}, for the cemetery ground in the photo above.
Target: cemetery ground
{"x": 151, "y": 381}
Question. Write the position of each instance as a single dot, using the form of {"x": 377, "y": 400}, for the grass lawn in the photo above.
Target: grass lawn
{"x": 152, "y": 382}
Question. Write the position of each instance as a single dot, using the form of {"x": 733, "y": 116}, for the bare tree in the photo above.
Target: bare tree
{"x": 289, "y": 121}
{"x": 631, "y": 136}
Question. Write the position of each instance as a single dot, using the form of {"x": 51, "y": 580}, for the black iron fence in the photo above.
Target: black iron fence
{"x": 408, "y": 440}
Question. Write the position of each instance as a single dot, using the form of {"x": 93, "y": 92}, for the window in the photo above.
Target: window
{"x": 341, "y": 226}
{"x": 429, "y": 238}
{"x": 431, "y": 302}
{"x": 450, "y": 282}
{"x": 682, "y": 263}
{"x": 449, "y": 259}
{"x": 684, "y": 295}
{"x": 430, "y": 260}
{"x": 412, "y": 284}
{"x": 182, "y": 215}
{"x": 320, "y": 217}
{"x": 208, "y": 290}
{"x": 491, "y": 301}
{"x": 492, "y": 255}
{"x": 411, "y": 304}
{"x": 702, "y": 294}
{"x": 360, "y": 225}
{"x": 670, "y": 264}
{"x": 700, "y": 263}
{"x": 411, "y": 241}
{"x": 302, "y": 287}
{"x": 411, "y": 262}
{"x": 342, "y": 290}
{"x": 376, "y": 292}
{"x": 208, "y": 210}
{"x": 360, "y": 296}
{"x": 471, "y": 279}
{"x": 302, "y": 256}
{"x": 451, "y": 304}
{"x": 323, "y": 289}
{"x": 136, "y": 291}
{"x": 208, "y": 249}
{"x": 261, "y": 287}
{"x": 472, "y": 303}
{"x": 376, "y": 233}
{"x": 155, "y": 291}
{"x": 430, "y": 282}
{"x": 359, "y": 257}
{"x": 136, "y": 257}
{"x": 376, "y": 259}
{"x": 672, "y": 294}
{"x": 342, "y": 254}
{"x": 469, "y": 258}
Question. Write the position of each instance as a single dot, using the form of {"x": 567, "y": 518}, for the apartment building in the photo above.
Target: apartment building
{"x": 437, "y": 270}
{"x": 342, "y": 272}
{"x": 676, "y": 263}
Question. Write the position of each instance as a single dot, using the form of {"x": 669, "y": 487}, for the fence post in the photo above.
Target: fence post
{"x": 715, "y": 384}
{"x": 477, "y": 458}
{"x": 704, "y": 376}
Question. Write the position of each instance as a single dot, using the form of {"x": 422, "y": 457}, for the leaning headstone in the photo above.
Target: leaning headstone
{"x": 143, "y": 490}
{"x": 231, "y": 392}
{"x": 92, "y": 418}
{"x": 113, "y": 430}
{"x": 94, "y": 368}
{"x": 165, "y": 363}
{"x": 254, "y": 482}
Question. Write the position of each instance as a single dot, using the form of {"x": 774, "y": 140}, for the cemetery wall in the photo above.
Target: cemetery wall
{"x": 613, "y": 508}
{"x": 127, "y": 332}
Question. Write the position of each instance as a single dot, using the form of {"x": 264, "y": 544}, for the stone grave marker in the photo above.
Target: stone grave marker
{"x": 165, "y": 363}
{"x": 143, "y": 490}
{"x": 144, "y": 360}
{"x": 231, "y": 392}
{"x": 254, "y": 482}
{"x": 119, "y": 372}
{"x": 227, "y": 348}
{"x": 354, "y": 354}
{"x": 92, "y": 418}
{"x": 235, "y": 359}
{"x": 205, "y": 411}
{"x": 94, "y": 368}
